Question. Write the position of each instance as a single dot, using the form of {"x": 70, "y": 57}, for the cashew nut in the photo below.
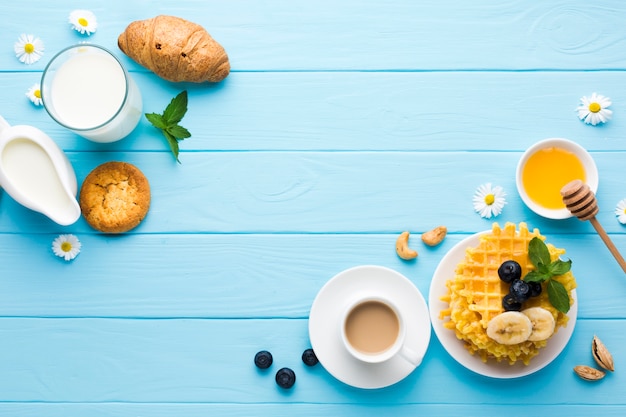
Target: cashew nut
{"x": 435, "y": 236}
{"x": 402, "y": 247}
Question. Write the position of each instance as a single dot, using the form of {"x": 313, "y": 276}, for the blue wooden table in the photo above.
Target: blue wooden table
{"x": 341, "y": 125}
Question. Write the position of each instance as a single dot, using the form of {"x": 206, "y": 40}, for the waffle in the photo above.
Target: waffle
{"x": 482, "y": 286}
{"x": 475, "y": 293}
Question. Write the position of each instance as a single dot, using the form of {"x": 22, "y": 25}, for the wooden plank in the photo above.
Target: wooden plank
{"x": 301, "y": 410}
{"x": 390, "y": 111}
{"x": 241, "y": 275}
{"x": 211, "y": 361}
{"x": 324, "y": 192}
{"x": 364, "y": 35}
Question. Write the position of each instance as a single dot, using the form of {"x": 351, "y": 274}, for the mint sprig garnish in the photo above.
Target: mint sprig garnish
{"x": 546, "y": 269}
{"x": 168, "y": 122}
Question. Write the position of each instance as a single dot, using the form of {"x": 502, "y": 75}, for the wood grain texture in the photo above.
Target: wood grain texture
{"x": 295, "y": 409}
{"x": 281, "y": 35}
{"x": 363, "y": 111}
{"x": 276, "y": 275}
{"x": 341, "y": 125}
{"x": 189, "y": 361}
{"x": 324, "y": 192}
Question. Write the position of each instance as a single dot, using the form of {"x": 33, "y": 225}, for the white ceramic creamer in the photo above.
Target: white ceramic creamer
{"x": 35, "y": 172}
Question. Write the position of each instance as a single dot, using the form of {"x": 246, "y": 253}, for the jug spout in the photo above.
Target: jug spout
{"x": 36, "y": 173}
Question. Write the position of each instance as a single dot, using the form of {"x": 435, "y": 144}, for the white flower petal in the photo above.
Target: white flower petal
{"x": 83, "y": 21}
{"x": 66, "y": 246}
{"x": 28, "y": 57}
{"x": 32, "y": 95}
{"x": 589, "y": 117}
{"x": 620, "y": 211}
{"x": 488, "y": 210}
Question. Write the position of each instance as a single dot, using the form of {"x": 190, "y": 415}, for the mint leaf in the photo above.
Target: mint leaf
{"x": 539, "y": 255}
{"x": 558, "y": 296}
{"x": 178, "y": 132}
{"x": 535, "y": 276}
{"x": 559, "y": 267}
{"x": 538, "y": 252}
{"x": 171, "y": 140}
{"x": 168, "y": 122}
{"x": 544, "y": 269}
{"x": 175, "y": 111}
{"x": 156, "y": 120}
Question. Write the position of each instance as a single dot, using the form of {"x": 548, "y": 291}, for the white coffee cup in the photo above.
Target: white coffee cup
{"x": 86, "y": 89}
{"x": 374, "y": 331}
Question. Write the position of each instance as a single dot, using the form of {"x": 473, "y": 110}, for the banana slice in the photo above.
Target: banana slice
{"x": 542, "y": 321}
{"x": 509, "y": 328}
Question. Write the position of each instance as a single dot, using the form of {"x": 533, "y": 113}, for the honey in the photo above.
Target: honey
{"x": 547, "y": 171}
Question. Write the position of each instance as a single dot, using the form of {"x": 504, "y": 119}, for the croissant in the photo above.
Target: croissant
{"x": 175, "y": 49}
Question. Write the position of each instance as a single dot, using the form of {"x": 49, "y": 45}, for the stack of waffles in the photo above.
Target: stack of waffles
{"x": 475, "y": 293}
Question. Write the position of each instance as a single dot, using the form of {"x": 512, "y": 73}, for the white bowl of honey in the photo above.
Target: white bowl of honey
{"x": 545, "y": 168}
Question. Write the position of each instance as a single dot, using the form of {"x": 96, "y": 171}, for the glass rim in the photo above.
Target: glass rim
{"x": 77, "y": 46}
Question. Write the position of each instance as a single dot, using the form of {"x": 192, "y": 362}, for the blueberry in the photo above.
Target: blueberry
{"x": 520, "y": 290}
{"x": 263, "y": 359}
{"x": 535, "y": 288}
{"x": 285, "y": 378}
{"x": 510, "y": 304}
{"x": 309, "y": 358}
{"x": 509, "y": 271}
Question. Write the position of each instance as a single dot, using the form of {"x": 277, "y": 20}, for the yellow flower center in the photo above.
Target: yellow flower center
{"x": 594, "y": 107}
{"x": 66, "y": 246}
{"x": 37, "y": 93}
{"x": 83, "y": 22}
{"x": 29, "y": 48}
{"x": 490, "y": 199}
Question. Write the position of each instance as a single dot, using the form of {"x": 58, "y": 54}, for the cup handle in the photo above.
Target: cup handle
{"x": 410, "y": 356}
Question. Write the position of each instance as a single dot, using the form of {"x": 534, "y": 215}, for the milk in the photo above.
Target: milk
{"x": 85, "y": 89}
{"x": 30, "y": 170}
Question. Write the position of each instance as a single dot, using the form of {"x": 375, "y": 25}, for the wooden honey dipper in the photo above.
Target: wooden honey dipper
{"x": 581, "y": 202}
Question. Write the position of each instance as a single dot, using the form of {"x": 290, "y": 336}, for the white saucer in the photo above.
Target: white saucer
{"x": 332, "y": 300}
{"x": 454, "y": 346}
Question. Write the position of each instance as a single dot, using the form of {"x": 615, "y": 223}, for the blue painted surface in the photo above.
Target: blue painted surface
{"x": 340, "y": 126}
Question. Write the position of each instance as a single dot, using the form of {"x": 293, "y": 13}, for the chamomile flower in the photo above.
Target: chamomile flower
{"x": 83, "y": 21}
{"x": 66, "y": 246}
{"x": 620, "y": 211}
{"x": 28, "y": 49}
{"x": 489, "y": 201}
{"x": 34, "y": 94}
{"x": 593, "y": 110}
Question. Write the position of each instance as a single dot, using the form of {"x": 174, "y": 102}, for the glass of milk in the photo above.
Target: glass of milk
{"x": 86, "y": 89}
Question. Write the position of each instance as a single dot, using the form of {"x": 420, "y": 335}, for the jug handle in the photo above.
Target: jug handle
{"x": 3, "y": 124}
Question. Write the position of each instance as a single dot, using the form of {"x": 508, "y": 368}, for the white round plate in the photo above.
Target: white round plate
{"x": 331, "y": 302}
{"x": 454, "y": 346}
